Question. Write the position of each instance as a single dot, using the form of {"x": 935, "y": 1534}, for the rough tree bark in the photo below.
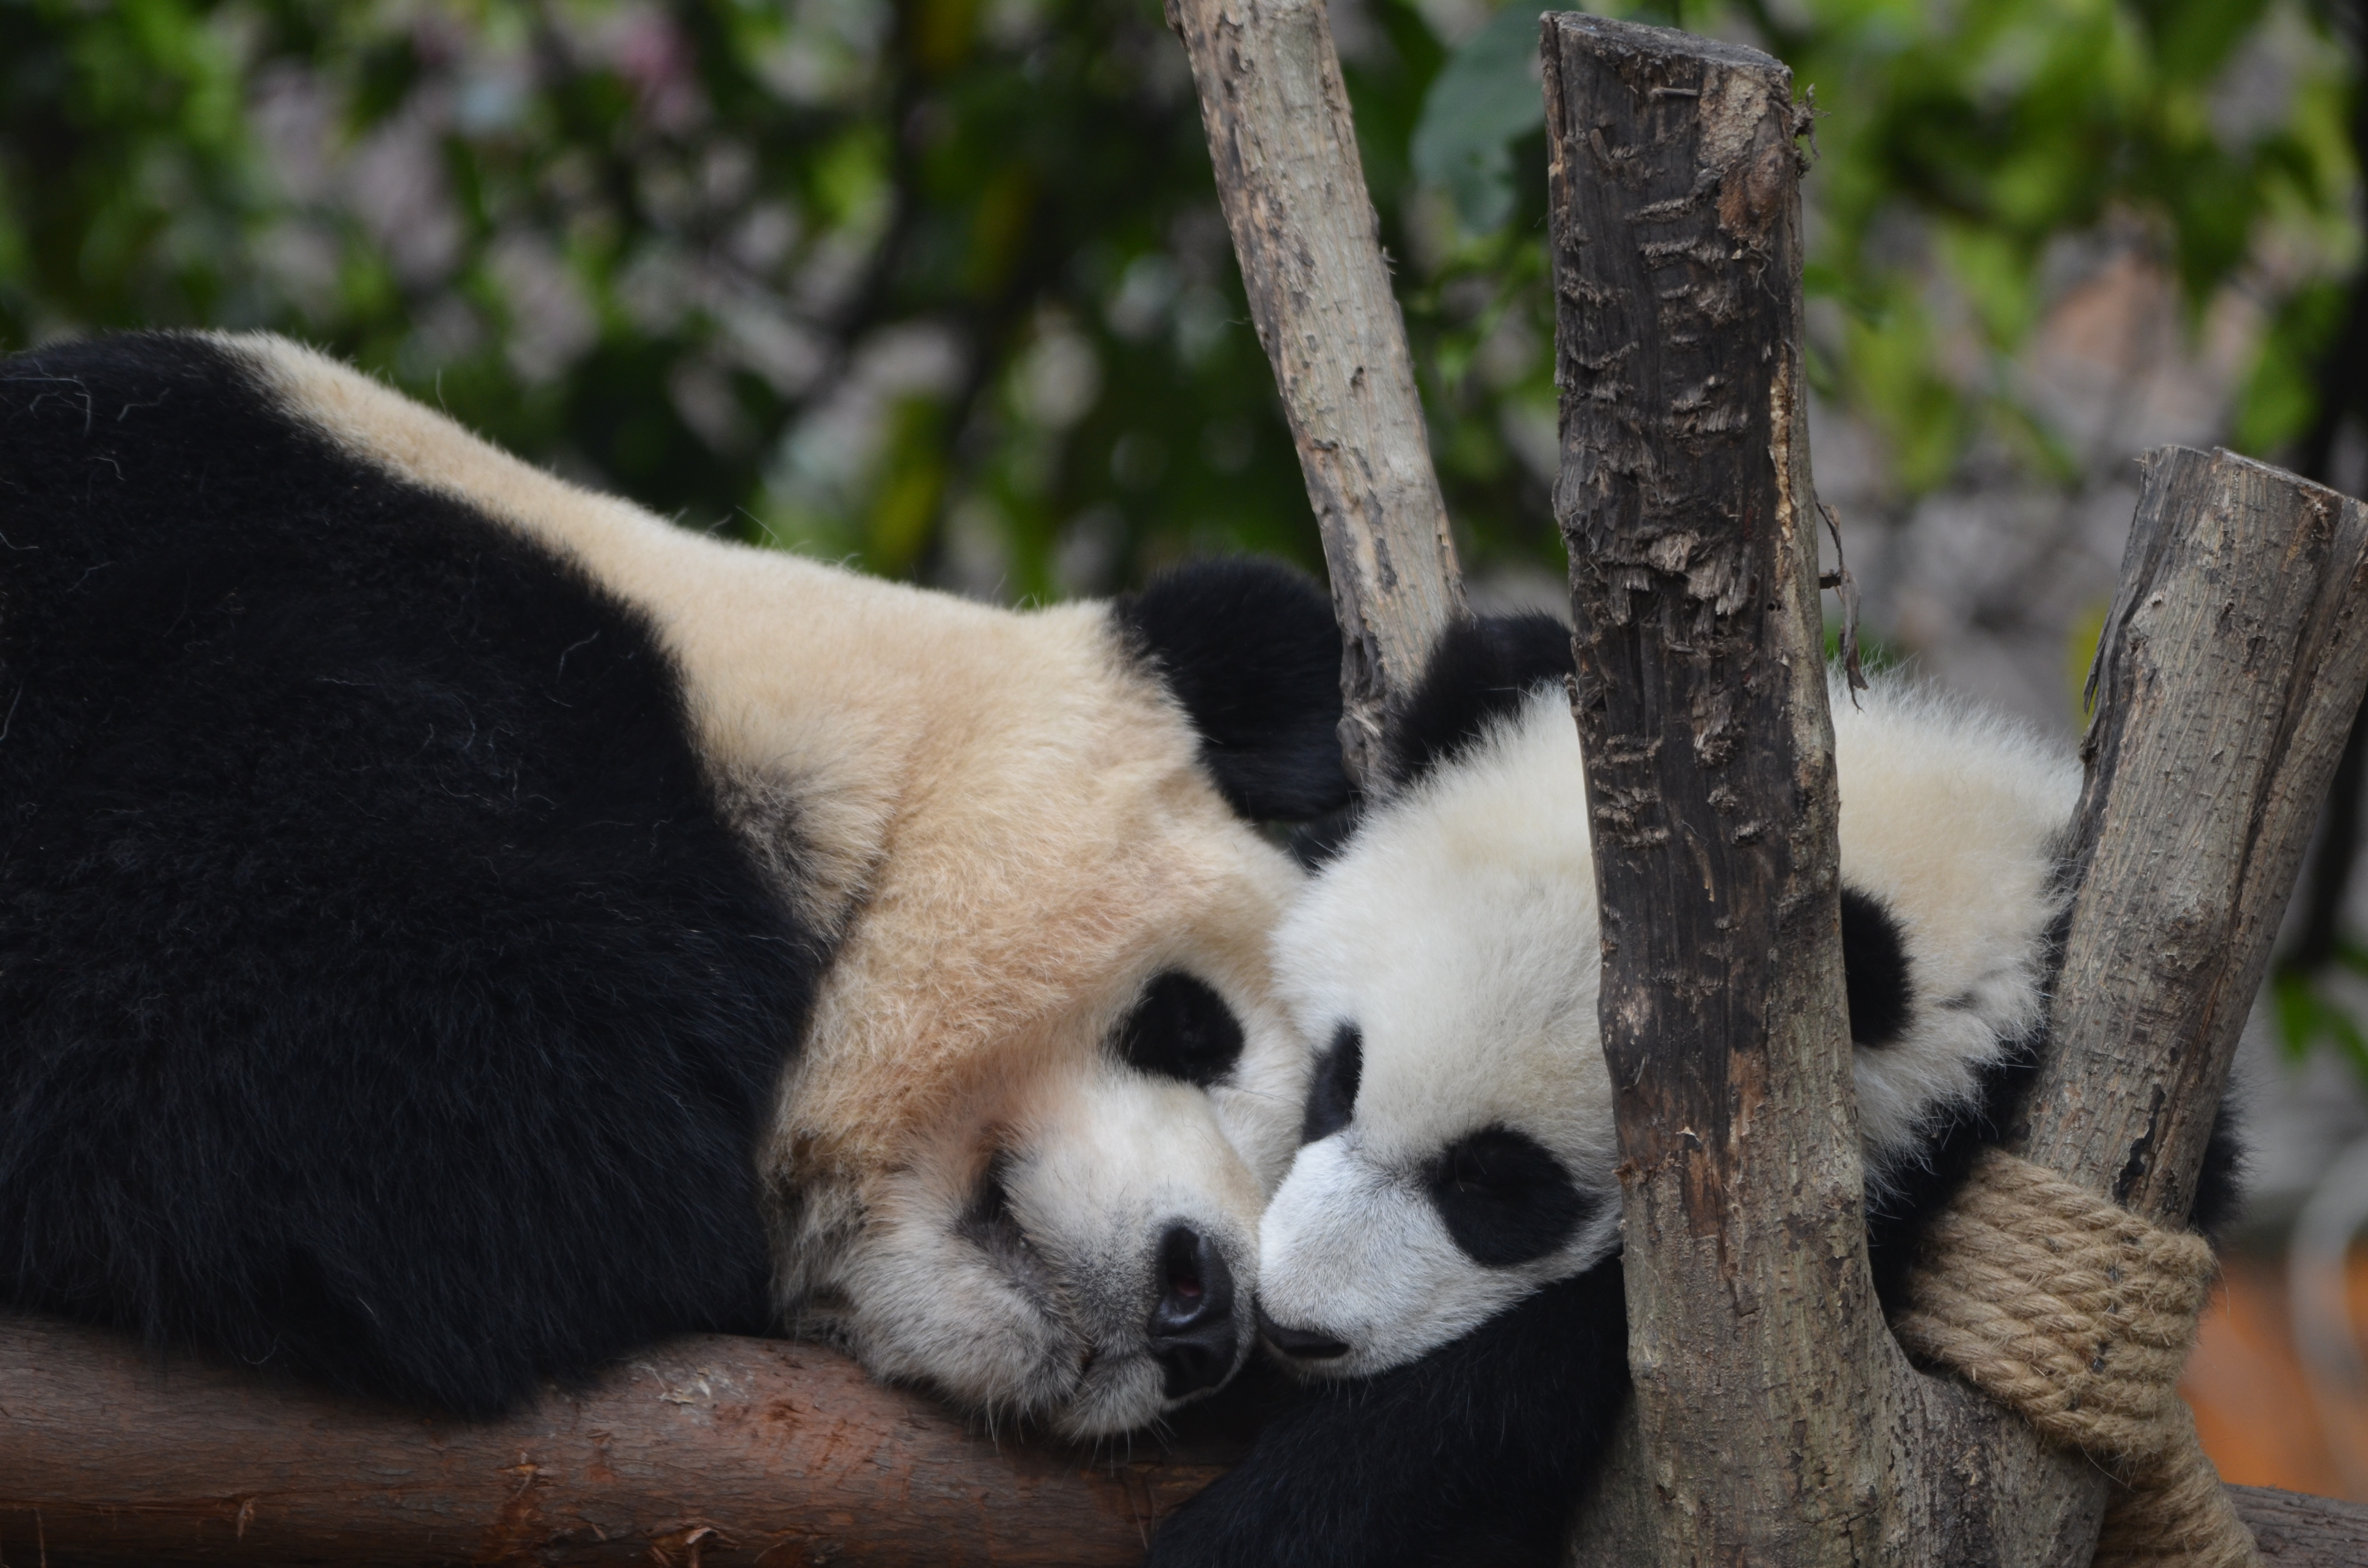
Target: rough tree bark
{"x": 2293, "y": 1529}
{"x": 2232, "y": 662}
{"x": 1775, "y": 1421}
{"x": 1685, "y": 502}
{"x": 708, "y": 1450}
{"x": 1294, "y": 191}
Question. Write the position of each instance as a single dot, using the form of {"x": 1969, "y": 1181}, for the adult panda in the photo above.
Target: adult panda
{"x": 1441, "y": 1264}
{"x": 455, "y": 926}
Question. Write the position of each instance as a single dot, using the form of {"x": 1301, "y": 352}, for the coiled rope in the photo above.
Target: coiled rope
{"x": 2077, "y": 1314}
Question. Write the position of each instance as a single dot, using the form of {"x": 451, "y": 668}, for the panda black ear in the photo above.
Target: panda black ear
{"x": 1876, "y": 971}
{"x": 1251, "y": 649}
{"x": 1481, "y": 668}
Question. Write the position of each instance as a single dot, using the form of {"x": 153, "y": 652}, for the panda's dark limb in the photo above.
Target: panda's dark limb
{"x": 382, "y": 995}
{"x": 1921, "y": 1186}
{"x": 1473, "y": 1454}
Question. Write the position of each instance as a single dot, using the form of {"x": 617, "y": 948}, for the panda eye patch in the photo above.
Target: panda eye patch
{"x": 988, "y": 1223}
{"x": 1505, "y": 1198}
{"x": 1181, "y": 1029}
{"x": 1332, "y": 1098}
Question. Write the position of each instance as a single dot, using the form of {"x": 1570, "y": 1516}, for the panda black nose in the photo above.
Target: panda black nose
{"x": 1192, "y": 1332}
{"x": 1300, "y": 1343}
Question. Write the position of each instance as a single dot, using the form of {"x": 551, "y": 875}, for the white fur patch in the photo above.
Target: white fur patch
{"x": 1458, "y": 933}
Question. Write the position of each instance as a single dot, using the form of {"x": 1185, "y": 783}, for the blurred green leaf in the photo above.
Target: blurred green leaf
{"x": 1487, "y": 96}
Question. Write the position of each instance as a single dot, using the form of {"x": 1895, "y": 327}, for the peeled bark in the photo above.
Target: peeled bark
{"x": 1702, "y": 706}
{"x": 2294, "y": 1530}
{"x": 1293, "y": 192}
{"x": 2232, "y": 659}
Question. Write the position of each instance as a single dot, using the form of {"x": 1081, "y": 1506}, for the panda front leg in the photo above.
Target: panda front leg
{"x": 1472, "y": 1454}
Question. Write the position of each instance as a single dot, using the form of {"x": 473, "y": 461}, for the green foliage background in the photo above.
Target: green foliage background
{"x": 940, "y": 286}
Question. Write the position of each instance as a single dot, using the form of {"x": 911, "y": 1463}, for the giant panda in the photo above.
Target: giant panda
{"x": 1441, "y": 1266}
{"x": 455, "y": 926}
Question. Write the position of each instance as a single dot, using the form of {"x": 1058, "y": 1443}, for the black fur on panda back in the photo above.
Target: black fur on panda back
{"x": 382, "y": 995}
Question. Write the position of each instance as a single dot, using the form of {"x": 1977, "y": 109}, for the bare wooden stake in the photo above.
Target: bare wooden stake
{"x": 2238, "y": 631}
{"x": 2235, "y": 654}
{"x": 1293, "y": 192}
{"x": 1775, "y": 1421}
{"x": 2294, "y": 1530}
{"x": 1685, "y": 501}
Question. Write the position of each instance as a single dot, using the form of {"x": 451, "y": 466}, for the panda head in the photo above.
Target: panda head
{"x": 1050, "y": 1083}
{"x": 1458, "y": 1144}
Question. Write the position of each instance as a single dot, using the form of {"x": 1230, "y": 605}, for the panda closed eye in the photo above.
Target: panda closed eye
{"x": 1505, "y": 1198}
{"x": 1181, "y": 1029}
{"x": 988, "y": 1223}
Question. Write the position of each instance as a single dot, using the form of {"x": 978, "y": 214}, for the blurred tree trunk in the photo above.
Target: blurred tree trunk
{"x": 2342, "y": 397}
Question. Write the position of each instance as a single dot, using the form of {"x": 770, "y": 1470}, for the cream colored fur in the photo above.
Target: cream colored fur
{"x": 1000, "y": 819}
{"x": 1458, "y": 932}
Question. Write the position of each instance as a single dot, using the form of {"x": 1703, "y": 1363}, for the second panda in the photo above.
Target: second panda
{"x": 1441, "y": 1267}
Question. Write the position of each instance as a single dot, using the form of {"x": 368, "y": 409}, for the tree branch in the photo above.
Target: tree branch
{"x": 707, "y": 1451}
{"x": 1701, "y": 698}
{"x": 2234, "y": 657}
{"x": 1293, "y": 192}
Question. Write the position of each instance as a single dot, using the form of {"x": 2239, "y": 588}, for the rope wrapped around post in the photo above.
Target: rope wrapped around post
{"x": 2078, "y": 1316}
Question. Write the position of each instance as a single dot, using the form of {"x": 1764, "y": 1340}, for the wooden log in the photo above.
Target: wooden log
{"x": 705, "y": 1450}
{"x": 1293, "y": 187}
{"x": 2235, "y": 652}
{"x": 2232, "y": 664}
{"x": 1764, "y": 1377}
{"x": 2233, "y": 658}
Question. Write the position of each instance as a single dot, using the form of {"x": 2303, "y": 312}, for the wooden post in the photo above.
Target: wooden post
{"x": 1775, "y": 1422}
{"x": 1701, "y": 699}
{"x": 2235, "y": 654}
{"x": 1293, "y": 192}
{"x": 2238, "y": 630}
